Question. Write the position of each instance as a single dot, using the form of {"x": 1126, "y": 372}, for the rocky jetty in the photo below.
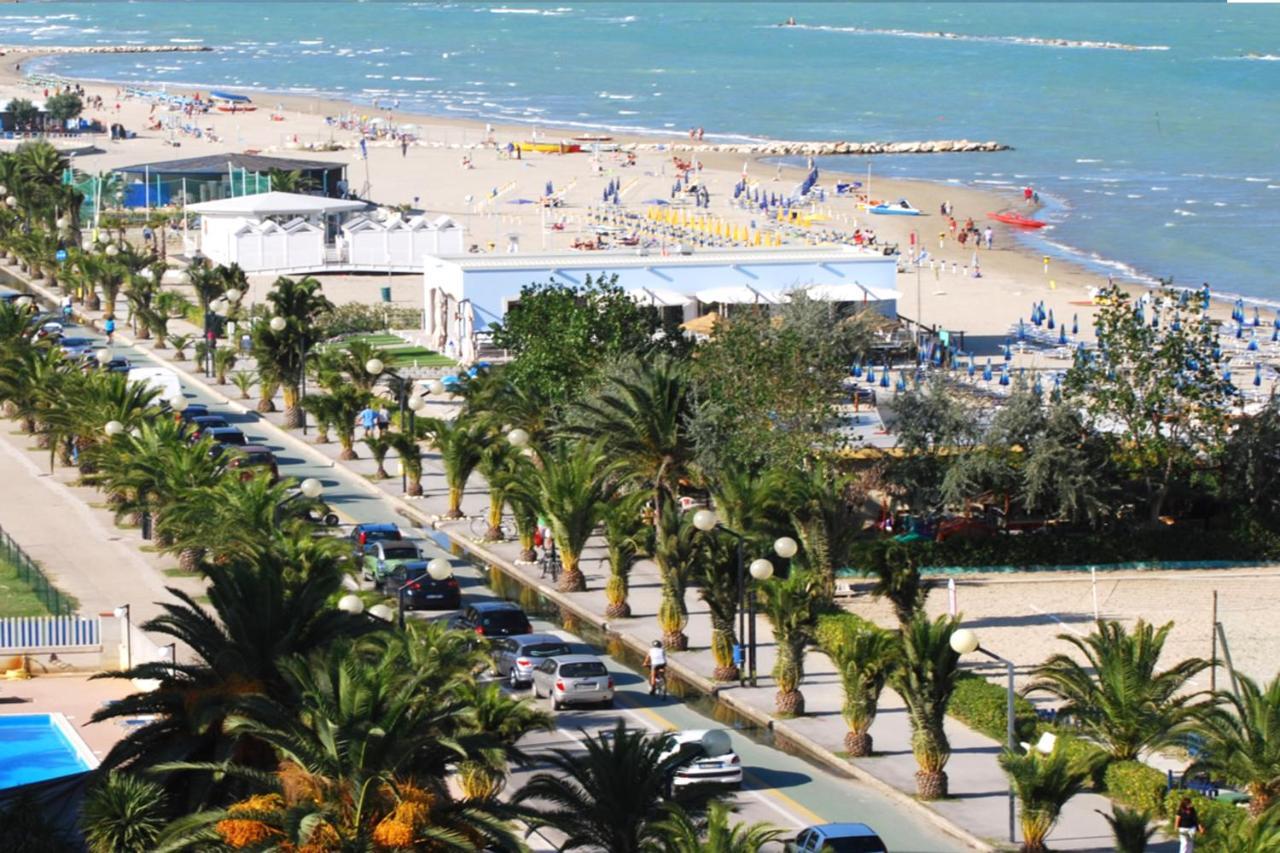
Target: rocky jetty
{"x": 105, "y": 48}
{"x": 822, "y": 149}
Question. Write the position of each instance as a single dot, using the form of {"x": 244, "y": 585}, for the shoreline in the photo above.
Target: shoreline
{"x": 1014, "y": 274}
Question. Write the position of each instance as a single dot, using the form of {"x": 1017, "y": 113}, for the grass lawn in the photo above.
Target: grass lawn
{"x": 16, "y": 596}
{"x": 397, "y": 353}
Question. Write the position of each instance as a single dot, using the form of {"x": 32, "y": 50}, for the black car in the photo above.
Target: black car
{"x": 193, "y": 411}
{"x": 493, "y": 619}
{"x": 117, "y": 364}
{"x": 420, "y": 590}
{"x": 201, "y": 424}
{"x": 226, "y": 435}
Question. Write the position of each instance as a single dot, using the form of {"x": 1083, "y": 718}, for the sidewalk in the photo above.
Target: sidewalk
{"x": 976, "y": 812}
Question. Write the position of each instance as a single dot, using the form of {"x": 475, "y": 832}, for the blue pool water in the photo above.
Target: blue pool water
{"x": 34, "y": 747}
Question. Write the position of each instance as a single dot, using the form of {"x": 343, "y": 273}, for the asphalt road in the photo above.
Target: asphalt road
{"x": 779, "y": 788}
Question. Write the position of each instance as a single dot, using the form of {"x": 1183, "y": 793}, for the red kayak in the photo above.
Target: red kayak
{"x": 1016, "y": 219}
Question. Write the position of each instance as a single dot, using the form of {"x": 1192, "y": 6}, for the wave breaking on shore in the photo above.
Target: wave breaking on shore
{"x": 1027, "y": 41}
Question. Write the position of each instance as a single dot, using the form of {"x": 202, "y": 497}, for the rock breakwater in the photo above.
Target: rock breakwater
{"x": 105, "y": 48}
{"x": 823, "y": 149}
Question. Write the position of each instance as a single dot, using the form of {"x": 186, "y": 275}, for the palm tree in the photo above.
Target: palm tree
{"x": 570, "y": 486}
{"x": 925, "y": 679}
{"x": 682, "y": 834}
{"x": 460, "y": 444}
{"x": 792, "y": 605}
{"x": 123, "y": 813}
{"x": 379, "y": 446}
{"x": 677, "y": 545}
{"x": 1131, "y": 829}
{"x": 1241, "y": 741}
{"x": 826, "y": 521}
{"x": 1044, "y": 784}
{"x": 640, "y": 413}
{"x": 224, "y": 358}
{"x": 609, "y": 797}
{"x": 165, "y": 306}
{"x": 896, "y": 573}
{"x": 262, "y": 612}
{"x": 406, "y": 447}
{"x": 180, "y": 344}
{"x": 719, "y": 590}
{"x": 498, "y": 460}
{"x": 281, "y": 354}
{"x": 501, "y": 720}
{"x": 1119, "y": 696}
{"x": 244, "y": 381}
{"x": 339, "y": 409}
{"x": 624, "y": 529}
{"x": 864, "y": 659}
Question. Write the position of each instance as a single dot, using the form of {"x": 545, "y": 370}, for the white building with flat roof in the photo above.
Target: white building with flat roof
{"x": 465, "y": 293}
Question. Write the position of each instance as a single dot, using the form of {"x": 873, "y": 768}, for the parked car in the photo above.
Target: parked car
{"x": 117, "y": 364}
{"x": 363, "y": 534}
{"x": 421, "y": 591}
{"x": 200, "y": 424}
{"x": 226, "y": 435}
{"x": 493, "y": 619}
{"x": 837, "y": 838}
{"x": 380, "y": 559}
{"x": 573, "y": 680}
{"x": 515, "y": 657}
{"x": 712, "y": 760}
{"x": 252, "y": 458}
{"x": 193, "y": 411}
{"x": 75, "y": 346}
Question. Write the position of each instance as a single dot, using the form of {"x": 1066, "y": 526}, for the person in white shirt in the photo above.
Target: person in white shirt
{"x": 656, "y": 661}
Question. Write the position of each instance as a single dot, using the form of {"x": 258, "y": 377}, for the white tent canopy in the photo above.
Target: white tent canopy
{"x": 850, "y": 293}
{"x": 740, "y": 294}
{"x": 276, "y": 204}
{"x": 659, "y": 297}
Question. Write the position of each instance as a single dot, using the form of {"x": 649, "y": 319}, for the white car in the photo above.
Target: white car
{"x": 715, "y": 763}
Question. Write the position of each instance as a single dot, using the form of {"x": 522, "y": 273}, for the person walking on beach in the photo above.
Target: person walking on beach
{"x": 987, "y": 236}
{"x": 368, "y": 420}
{"x": 942, "y": 239}
{"x": 404, "y": 146}
{"x": 1027, "y": 193}
{"x": 1187, "y": 823}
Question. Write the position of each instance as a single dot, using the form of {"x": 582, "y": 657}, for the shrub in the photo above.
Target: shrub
{"x": 982, "y": 706}
{"x": 834, "y": 626}
{"x": 1085, "y": 753}
{"x": 1136, "y": 785}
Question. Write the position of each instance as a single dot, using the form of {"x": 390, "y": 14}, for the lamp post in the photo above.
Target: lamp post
{"x": 310, "y": 488}
{"x": 439, "y": 569}
{"x": 965, "y": 641}
{"x": 122, "y": 612}
{"x": 351, "y": 604}
{"x": 279, "y": 324}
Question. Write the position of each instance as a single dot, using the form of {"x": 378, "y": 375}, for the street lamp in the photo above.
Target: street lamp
{"x": 435, "y": 386}
{"x": 310, "y": 488}
{"x": 178, "y": 403}
{"x": 381, "y": 611}
{"x": 351, "y": 604}
{"x": 113, "y": 428}
{"x": 965, "y": 641}
{"x": 706, "y": 520}
{"x": 520, "y": 438}
{"x": 439, "y": 569}
{"x": 122, "y": 612}
{"x": 102, "y": 356}
{"x": 277, "y": 324}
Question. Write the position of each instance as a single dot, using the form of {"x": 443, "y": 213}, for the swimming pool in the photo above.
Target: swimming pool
{"x": 36, "y": 747}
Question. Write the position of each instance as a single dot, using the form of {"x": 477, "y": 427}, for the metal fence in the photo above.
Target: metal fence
{"x": 32, "y": 575}
{"x": 39, "y": 633}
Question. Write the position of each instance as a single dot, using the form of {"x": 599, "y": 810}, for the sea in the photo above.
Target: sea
{"x": 1150, "y": 130}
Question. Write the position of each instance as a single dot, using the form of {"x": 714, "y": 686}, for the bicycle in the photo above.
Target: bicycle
{"x": 549, "y": 565}
{"x": 480, "y": 529}
{"x": 660, "y": 683}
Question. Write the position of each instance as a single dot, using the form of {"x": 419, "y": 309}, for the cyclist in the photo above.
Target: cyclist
{"x": 656, "y": 661}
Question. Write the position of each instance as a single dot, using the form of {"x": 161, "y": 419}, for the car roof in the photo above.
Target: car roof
{"x": 209, "y": 417}
{"x": 490, "y": 606}
{"x": 530, "y": 639}
{"x": 222, "y": 430}
{"x": 844, "y": 830}
{"x": 384, "y": 526}
{"x": 564, "y": 659}
{"x": 255, "y": 448}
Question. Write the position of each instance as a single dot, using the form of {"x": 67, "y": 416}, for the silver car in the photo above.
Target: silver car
{"x": 515, "y": 657}
{"x": 573, "y": 680}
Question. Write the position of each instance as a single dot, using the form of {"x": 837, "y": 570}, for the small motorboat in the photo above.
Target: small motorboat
{"x": 901, "y": 207}
{"x": 1013, "y": 218}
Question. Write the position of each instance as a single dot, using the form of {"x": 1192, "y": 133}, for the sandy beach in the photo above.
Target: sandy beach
{"x": 431, "y": 175}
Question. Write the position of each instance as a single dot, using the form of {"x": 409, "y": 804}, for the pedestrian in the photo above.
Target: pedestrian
{"x": 66, "y": 308}
{"x": 368, "y": 420}
{"x": 1187, "y": 823}
{"x": 987, "y": 236}
{"x": 404, "y": 146}
{"x": 942, "y": 239}
{"x": 1027, "y": 192}
{"x": 951, "y": 224}
{"x": 384, "y": 420}
{"x": 109, "y": 326}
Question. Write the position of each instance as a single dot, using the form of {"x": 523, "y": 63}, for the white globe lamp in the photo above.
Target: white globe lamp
{"x": 761, "y": 569}
{"x": 311, "y": 487}
{"x": 178, "y": 403}
{"x": 374, "y": 366}
{"x": 277, "y": 324}
{"x": 436, "y": 387}
{"x": 113, "y": 428}
{"x": 785, "y": 547}
{"x": 351, "y": 604}
{"x": 440, "y": 569}
{"x": 964, "y": 641}
{"x": 705, "y": 520}
{"x": 518, "y": 438}
{"x": 382, "y": 611}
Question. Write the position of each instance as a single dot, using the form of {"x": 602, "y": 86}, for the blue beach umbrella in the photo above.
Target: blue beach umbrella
{"x": 1008, "y": 351}
{"x": 1075, "y": 324}
{"x": 1038, "y": 387}
{"x": 1253, "y": 344}
{"x": 1062, "y": 335}
{"x": 1217, "y": 349}
{"x": 901, "y": 384}
{"x": 972, "y": 368}
{"x": 1239, "y": 330}
{"x": 884, "y": 377}
{"x": 855, "y": 369}
{"x": 1155, "y": 321}
{"x": 1050, "y": 323}
{"x": 1257, "y": 321}
{"x": 1257, "y": 375}
{"x": 986, "y": 371}
{"x": 551, "y": 189}
{"x": 1022, "y": 331}
{"x": 1176, "y": 325}
{"x": 871, "y": 373}
{"x": 1226, "y": 375}
{"x": 1004, "y": 375}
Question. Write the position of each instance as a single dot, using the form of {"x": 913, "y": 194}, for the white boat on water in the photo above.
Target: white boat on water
{"x": 901, "y": 207}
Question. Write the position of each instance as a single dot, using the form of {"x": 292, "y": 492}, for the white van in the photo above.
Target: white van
{"x": 161, "y": 378}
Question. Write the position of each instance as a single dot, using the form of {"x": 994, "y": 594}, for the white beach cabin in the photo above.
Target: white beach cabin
{"x": 272, "y": 232}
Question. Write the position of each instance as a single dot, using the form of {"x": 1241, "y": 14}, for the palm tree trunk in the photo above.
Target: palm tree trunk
{"x": 672, "y": 615}
{"x": 616, "y": 589}
{"x": 722, "y": 650}
{"x": 347, "y": 440}
{"x": 571, "y": 579}
{"x": 415, "y": 486}
{"x": 455, "y": 502}
{"x": 858, "y": 744}
{"x": 293, "y": 413}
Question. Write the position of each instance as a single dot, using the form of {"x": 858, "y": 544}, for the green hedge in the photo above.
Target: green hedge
{"x": 1085, "y": 753}
{"x": 1217, "y": 817}
{"x": 834, "y": 626}
{"x": 983, "y": 706}
{"x": 1179, "y": 543}
{"x": 1136, "y": 785}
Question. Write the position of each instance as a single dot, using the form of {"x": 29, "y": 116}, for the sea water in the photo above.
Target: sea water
{"x": 1152, "y": 129}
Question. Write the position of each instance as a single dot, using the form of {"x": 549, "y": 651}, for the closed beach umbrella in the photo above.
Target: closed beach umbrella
{"x": 1275, "y": 335}
{"x": 1276, "y": 321}
{"x": 1253, "y": 344}
{"x": 986, "y": 371}
{"x": 884, "y": 377}
{"x": 1257, "y": 375}
{"x": 1004, "y": 375}
{"x": 1176, "y": 325}
{"x": 1257, "y": 321}
{"x": 550, "y": 188}
{"x": 871, "y": 373}
{"x": 1226, "y": 375}
{"x": 1062, "y": 334}
{"x": 901, "y": 384}
{"x": 1050, "y": 324}
{"x": 1008, "y": 352}
{"x": 972, "y": 368}
{"x": 1038, "y": 387}
{"x": 1239, "y": 331}
{"x": 1022, "y": 331}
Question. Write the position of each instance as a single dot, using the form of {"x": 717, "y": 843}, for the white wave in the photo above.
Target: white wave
{"x": 311, "y": 41}
{"x": 1132, "y": 195}
{"x": 507, "y": 10}
{"x": 1273, "y": 186}
{"x": 186, "y": 41}
{"x": 1250, "y": 57}
{"x": 1219, "y": 204}
{"x": 1182, "y": 212}
{"x": 613, "y": 97}
{"x": 1159, "y": 189}
{"x": 1257, "y": 180}
{"x": 628, "y": 113}
{"x": 1087, "y": 160}
{"x": 1029, "y": 41}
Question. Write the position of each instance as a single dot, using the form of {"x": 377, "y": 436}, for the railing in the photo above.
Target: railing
{"x": 49, "y": 633}
{"x": 31, "y": 574}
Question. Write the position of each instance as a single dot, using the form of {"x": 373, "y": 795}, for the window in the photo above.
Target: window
{"x": 860, "y": 844}
{"x": 549, "y": 667}
{"x": 400, "y": 552}
{"x": 585, "y": 669}
{"x": 803, "y": 839}
{"x": 546, "y": 650}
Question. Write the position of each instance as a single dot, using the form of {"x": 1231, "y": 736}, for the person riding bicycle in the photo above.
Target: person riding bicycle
{"x": 656, "y": 661}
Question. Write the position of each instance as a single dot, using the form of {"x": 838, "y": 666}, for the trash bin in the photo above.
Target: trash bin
{"x": 386, "y": 294}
